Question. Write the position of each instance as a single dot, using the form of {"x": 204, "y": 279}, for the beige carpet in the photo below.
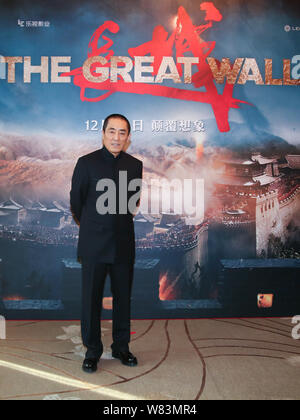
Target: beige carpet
{"x": 206, "y": 359}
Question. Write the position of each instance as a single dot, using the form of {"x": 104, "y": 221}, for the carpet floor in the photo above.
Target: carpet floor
{"x": 192, "y": 359}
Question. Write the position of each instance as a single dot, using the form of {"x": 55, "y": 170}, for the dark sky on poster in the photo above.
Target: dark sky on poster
{"x": 248, "y": 29}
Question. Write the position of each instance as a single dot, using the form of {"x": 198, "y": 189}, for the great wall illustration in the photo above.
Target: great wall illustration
{"x": 177, "y": 264}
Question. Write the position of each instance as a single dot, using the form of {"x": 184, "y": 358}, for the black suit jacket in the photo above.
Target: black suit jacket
{"x": 104, "y": 237}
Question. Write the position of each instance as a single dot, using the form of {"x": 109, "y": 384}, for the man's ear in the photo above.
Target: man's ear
{"x": 127, "y": 144}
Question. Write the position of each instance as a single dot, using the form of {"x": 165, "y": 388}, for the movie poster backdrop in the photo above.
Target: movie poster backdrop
{"x": 211, "y": 90}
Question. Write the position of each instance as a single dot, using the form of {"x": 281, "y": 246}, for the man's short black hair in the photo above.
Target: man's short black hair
{"x": 116, "y": 116}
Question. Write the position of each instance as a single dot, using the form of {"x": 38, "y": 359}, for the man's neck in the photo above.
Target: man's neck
{"x": 113, "y": 155}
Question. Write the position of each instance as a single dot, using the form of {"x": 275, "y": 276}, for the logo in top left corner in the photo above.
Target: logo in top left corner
{"x": 2, "y": 328}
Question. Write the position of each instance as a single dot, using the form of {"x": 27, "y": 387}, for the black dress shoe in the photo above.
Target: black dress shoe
{"x": 90, "y": 365}
{"x": 126, "y": 357}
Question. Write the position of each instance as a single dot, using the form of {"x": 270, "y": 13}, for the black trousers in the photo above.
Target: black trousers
{"x": 93, "y": 281}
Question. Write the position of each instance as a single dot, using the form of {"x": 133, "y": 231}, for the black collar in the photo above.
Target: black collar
{"x": 110, "y": 156}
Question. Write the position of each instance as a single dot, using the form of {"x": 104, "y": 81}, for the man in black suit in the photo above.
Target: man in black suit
{"x": 104, "y": 197}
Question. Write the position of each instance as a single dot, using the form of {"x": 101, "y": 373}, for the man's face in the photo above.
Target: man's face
{"x": 116, "y": 135}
